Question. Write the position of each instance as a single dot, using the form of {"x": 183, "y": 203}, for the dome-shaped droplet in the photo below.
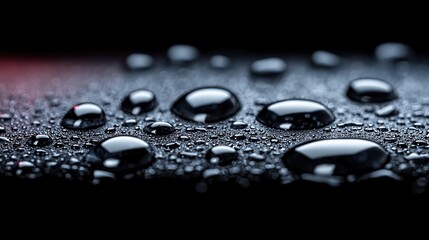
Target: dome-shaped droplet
{"x": 393, "y": 51}
{"x": 222, "y": 155}
{"x": 120, "y": 154}
{"x": 369, "y": 90}
{"x": 209, "y": 104}
{"x": 295, "y": 114}
{"x": 268, "y": 67}
{"x": 139, "y": 101}
{"x": 325, "y": 59}
{"x": 39, "y": 140}
{"x": 182, "y": 54}
{"x": 335, "y": 157}
{"x": 159, "y": 128}
{"x": 139, "y": 61}
{"x": 220, "y": 62}
{"x": 84, "y": 116}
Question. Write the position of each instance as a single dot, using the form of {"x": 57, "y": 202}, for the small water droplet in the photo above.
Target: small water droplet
{"x": 129, "y": 122}
{"x": 182, "y": 54}
{"x": 325, "y": 59}
{"x": 387, "y": 111}
{"x": 39, "y": 140}
{"x": 393, "y": 51}
{"x": 139, "y": 101}
{"x": 2, "y": 129}
{"x": 139, "y": 61}
{"x": 367, "y": 90}
{"x": 220, "y": 62}
{"x": 335, "y": 157}
{"x": 209, "y": 104}
{"x": 5, "y": 116}
{"x": 224, "y": 155}
{"x": 350, "y": 124}
{"x": 256, "y": 157}
{"x": 295, "y": 114}
{"x": 238, "y": 136}
{"x": 110, "y": 130}
{"x": 159, "y": 128}
{"x": 238, "y": 125}
{"x": 84, "y": 116}
{"x": 420, "y": 143}
{"x": 120, "y": 154}
{"x": 268, "y": 67}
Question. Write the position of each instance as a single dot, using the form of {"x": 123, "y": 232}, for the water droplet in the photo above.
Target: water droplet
{"x": 211, "y": 172}
{"x": 139, "y": 101}
{"x": 5, "y": 116}
{"x": 159, "y": 128}
{"x": 84, "y": 116}
{"x": 325, "y": 59}
{"x": 335, "y": 157}
{"x": 39, "y": 140}
{"x": 256, "y": 157}
{"x": 268, "y": 67}
{"x": 238, "y": 125}
{"x": 209, "y": 104}
{"x": 222, "y": 155}
{"x": 182, "y": 54}
{"x": 295, "y": 114}
{"x": 220, "y": 62}
{"x": 129, "y": 122}
{"x": 139, "y": 61}
{"x": 2, "y": 129}
{"x": 393, "y": 52}
{"x": 350, "y": 124}
{"x": 110, "y": 130}
{"x": 423, "y": 157}
{"x": 387, "y": 111}
{"x": 368, "y": 90}
{"x": 238, "y": 136}
{"x": 120, "y": 154}
{"x": 420, "y": 143}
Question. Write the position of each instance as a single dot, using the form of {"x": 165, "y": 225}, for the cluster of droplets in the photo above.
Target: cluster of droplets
{"x": 332, "y": 161}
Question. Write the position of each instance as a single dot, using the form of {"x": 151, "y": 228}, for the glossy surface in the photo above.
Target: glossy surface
{"x": 221, "y": 155}
{"x": 367, "y": 90}
{"x": 84, "y": 116}
{"x": 209, "y": 104}
{"x": 139, "y": 101}
{"x": 295, "y": 114}
{"x": 39, "y": 140}
{"x": 159, "y": 128}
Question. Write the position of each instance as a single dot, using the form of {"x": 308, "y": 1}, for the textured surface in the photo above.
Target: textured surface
{"x": 37, "y": 92}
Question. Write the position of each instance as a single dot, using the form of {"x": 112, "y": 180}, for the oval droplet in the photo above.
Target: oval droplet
{"x": 222, "y": 155}
{"x": 84, "y": 116}
{"x": 370, "y": 90}
{"x": 325, "y": 59}
{"x": 39, "y": 140}
{"x": 139, "y": 101}
{"x": 159, "y": 128}
{"x": 268, "y": 67}
{"x": 208, "y": 104}
{"x": 220, "y": 62}
{"x": 393, "y": 51}
{"x": 335, "y": 157}
{"x": 139, "y": 61}
{"x": 182, "y": 54}
{"x": 120, "y": 154}
{"x": 295, "y": 114}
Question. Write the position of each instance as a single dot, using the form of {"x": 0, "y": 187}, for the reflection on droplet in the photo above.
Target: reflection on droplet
{"x": 139, "y": 101}
{"x": 222, "y": 155}
{"x": 84, "y": 116}
{"x": 159, "y": 128}
{"x": 268, "y": 67}
{"x": 369, "y": 90}
{"x": 139, "y": 61}
{"x": 39, "y": 140}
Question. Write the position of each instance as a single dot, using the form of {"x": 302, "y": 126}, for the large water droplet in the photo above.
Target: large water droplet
{"x": 139, "y": 61}
{"x": 393, "y": 52}
{"x": 368, "y": 90}
{"x": 120, "y": 154}
{"x": 268, "y": 67}
{"x": 39, "y": 140}
{"x": 325, "y": 59}
{"x": 222, "y": 155}
{"x": 84, "y": 116}
{"x": 139, "y": 101}
{"x": 295, "y": 114}
{"x": 335, "y": 157}
{"x": 159, "y": 128}
{"x": 209, "y": 104}
{"x": 182, "y": 54}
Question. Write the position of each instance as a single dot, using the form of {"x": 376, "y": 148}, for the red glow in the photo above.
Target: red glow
{"x": 75, "y": 107}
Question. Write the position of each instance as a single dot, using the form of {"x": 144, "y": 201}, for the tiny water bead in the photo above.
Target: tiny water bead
{"x": 120, "y": 154}
{"x": 295, "y": 114}
{"x": 371, "y": 90}
{"x": 159, "y": 128}
{"x": 84, "y": 116}
{"x": 139, "y": 101}
{"x": 208, "y": 104}
{"x": 182, "y": 54}
{"x": 139, "y": 61}
{"x": 335, "y": 157}
{"x": 325, "y": 59}
{"x": 268, "y": 67}
{"x": 220, "y": 62}
{"x": 393, "y": 51}
{"x": 387, "y": 111}
{"x": 39, "y": 140}
{"x": 221, "y": 155}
